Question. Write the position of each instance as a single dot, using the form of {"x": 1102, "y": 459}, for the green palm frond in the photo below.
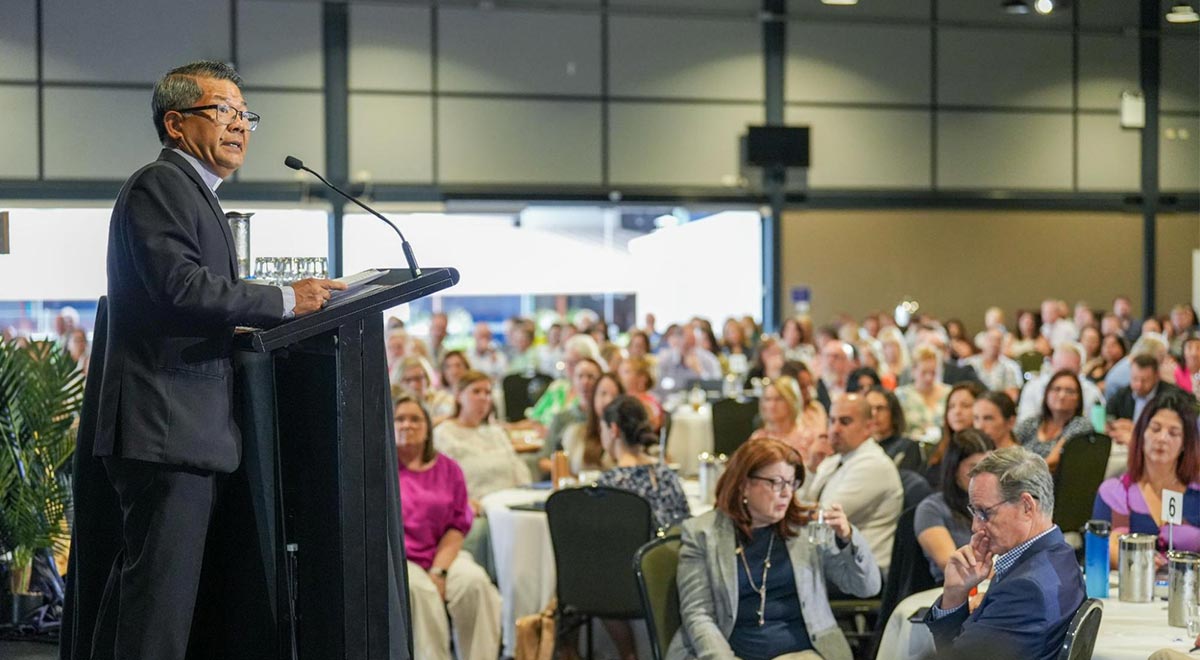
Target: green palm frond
{"x": 41, "y": 393}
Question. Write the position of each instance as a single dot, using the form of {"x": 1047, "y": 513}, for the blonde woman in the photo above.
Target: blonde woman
{"x": 781, "y": 407}
{"x": 895, "y": 352}
{"x": 924, "y": 401}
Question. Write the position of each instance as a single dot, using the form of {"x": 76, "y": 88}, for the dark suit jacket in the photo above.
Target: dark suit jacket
{"x": 173, "y": 301}
{"x": 1024, "y": 615}
{"x": 1121, "y": 404}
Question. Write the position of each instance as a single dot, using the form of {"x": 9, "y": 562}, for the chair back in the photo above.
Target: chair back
{"x": 1081, "y": 634}
{"x": 733, "y": 423}
{"x": 1031, "y": 363}
{"x": 595, "y": 532}
{"x": 1081, "y": 468}
{"x": 909, "y": 571}
{"x": 522, "y": 391}
{"x": 916, "y": 488}
{"x": 654, "y": 565}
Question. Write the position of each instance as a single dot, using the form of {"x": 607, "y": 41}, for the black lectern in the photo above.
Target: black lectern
{"x": 305, "y": 555}
{"x": 319, "y": 495}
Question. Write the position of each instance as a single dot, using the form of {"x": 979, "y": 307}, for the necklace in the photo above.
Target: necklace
{"x": 761, "y": 590}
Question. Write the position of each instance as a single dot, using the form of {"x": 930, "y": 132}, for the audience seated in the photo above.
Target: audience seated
{"x": 735, "y": 343}
{"x": 486, "y": 356}
{"x": 860, "y": 477}
{"x": 625, "y": 433}
{"x": 1152, "y": 342}
{"x": 960, "y": 407}
{"x": 684, "y": 361}
{"x": 1069, "y": 357}
{"x": 1185, "y": 373}
{"x": 560, "y": 393}
{"x": 453, "y": 366}
{"x": 779, "y": 410}
{"x": 443, "y": 579}
{"x": 995, "y": 371}
{"x": 1027, "y": 339}
{"x": 1126, "y": 404}
{"x": 78, "y": 349}
{"x": 1164, "y": 453}
{"x": 943, "y": 523}
{"x": 1056, "y": 327}
{"x": 582, "y": 440}
{"x": 887, "y": 427}
{"x": 776, "y": 602}
{"x": 1113, "y": 347}
{"x": 895, "y": 354}
{"x": 416, "y": 378}
{"x": 1036, "y": 586}
{"x": 1060, "y": 420}
{"x": 439, "y": 325}
{"x": 585, "y": 373}
{"x": 522, "y": 357}
{"x": 795, "y": 343}
{"x": 837, "y": 362}
{"x": 637, "y": 377}
{"x": 995, "y": 415}
{"x": 924, "y": 401}
{"x": 552, "y": 357}
{"x": 1183, "y": 324}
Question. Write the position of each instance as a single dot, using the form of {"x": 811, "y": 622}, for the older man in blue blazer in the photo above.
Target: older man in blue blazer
{"x": 1036, "y": 584}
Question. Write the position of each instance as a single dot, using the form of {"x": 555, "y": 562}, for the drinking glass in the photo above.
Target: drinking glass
{"x": 820, "y": 534}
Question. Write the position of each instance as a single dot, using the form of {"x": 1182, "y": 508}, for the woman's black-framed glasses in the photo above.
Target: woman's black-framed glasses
{"x": 778, "y": 484}
{"x": 226, "y": 114}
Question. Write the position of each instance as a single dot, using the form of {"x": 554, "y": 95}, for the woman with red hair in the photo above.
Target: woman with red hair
{"x": 751, "y": 582}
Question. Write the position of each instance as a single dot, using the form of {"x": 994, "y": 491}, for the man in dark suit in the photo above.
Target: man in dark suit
{"x": 1036, "y": 585}
{"x": 165, "y": 427}
{"x": 1126, "y": 405}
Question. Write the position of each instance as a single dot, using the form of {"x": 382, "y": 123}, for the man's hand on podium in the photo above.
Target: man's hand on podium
{"x": 312, "y": 294}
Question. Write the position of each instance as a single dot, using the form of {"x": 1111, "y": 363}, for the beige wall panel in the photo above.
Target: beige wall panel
{"x": 674, "y": 144}
{"x": 279, "y": 43}
{"x": 911, "y": 10}
{"x": 1181, "y": 73}
{"x": 391, "y": 138}
{"x": 130, "y": 40}
{"x": 1109, "y": 156}
{"x": 1108, "y": 13}
{"x": 293, "y": 124}
{"x": 390, "y": 48}
{"x": 858, "y": 63}
{"x": 1006, "y": 68}
{"x": 518, "y": 52}
{"x": 1108, "y": 65}
{"x": 958, "y": 263}
{"x": 518, "y": 142}
{"x": 18, "y": 140}
{"x": 18, "y": 40}
{"x": 1004, "y": 150}
{"x": 685, "y": 58}
{"x": 1179, "y": 153}
{"x": 98, "y": 133}
{"x": 859, "y": 148}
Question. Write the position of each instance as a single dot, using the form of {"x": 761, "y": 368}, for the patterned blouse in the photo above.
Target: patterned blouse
{"x": 658, "y": 484}
{"x": 1026, "y": 432}
{"x": 921, "y": 421}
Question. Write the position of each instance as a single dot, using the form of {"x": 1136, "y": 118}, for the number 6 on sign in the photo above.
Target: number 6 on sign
{"x": 1172, "y": 507}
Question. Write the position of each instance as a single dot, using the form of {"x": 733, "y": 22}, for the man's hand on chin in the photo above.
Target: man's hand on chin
{"x": 968, "y": 566}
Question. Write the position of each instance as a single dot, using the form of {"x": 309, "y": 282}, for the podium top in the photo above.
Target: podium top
{"x": 395, "y": 288}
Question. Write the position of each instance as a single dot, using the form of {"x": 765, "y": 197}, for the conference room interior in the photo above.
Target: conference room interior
{"x": 571, "y": 155}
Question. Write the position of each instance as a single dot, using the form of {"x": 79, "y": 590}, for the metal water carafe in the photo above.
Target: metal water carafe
{"x": 1135, "y": 567}
{"x": 711, "y": 467}
{"x": 239, "y": 224}
{"x": 1184, "y": 572}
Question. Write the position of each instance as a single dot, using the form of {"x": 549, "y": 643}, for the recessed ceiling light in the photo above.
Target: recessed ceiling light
{"x": 1044, "y": 6}
{"x": 1018, "y": 7}
{"x": 1182, "y": 13}
{"x": 841, "y": 3}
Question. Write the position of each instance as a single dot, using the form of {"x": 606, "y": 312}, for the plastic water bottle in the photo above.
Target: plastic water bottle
{"x": 1095, "y": 562}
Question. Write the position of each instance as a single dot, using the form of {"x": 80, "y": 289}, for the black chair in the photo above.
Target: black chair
{"x": 733, "y": 423}
{"x": 595, "y": 532}
{"x": 1081, "y": 468}
{"x": 522, "y": 391}
{"x": 908, "y": 574}
{"x": 1081, "y": 634}
{"x": 916, "y": 488}
{"x": 655, "y": 565}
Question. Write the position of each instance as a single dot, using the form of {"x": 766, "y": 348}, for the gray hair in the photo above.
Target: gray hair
{"x": 1019, "y": 470}
{"x": 178, "y": 89}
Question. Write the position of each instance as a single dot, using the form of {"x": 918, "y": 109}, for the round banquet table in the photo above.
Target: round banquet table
{"x": 524, "y": 560}
{"x": 691, "y": 435}
{"x": 1128, "y": 631}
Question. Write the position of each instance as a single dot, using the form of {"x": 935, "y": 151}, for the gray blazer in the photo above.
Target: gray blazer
{"x": 707, "y": 577}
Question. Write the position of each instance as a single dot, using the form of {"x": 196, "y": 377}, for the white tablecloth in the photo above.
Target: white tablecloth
{"x": 691, "y": 435}
{"x": 1128, "y": 631}
{"x": 524, "y": 560}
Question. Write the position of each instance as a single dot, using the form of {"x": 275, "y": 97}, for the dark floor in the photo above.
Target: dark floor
{"x": 28, "y": 651}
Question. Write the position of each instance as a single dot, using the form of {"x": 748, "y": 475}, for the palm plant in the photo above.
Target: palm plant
{"x": 41, "y": 393}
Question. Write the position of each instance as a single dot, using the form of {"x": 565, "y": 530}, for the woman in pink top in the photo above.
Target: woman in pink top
{"x": 442, "y": 577}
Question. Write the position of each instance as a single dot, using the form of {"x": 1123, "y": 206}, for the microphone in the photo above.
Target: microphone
{"x": 297, "y": 164}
